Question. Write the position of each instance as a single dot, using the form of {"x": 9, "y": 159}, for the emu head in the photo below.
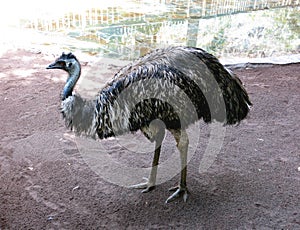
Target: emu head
{"x": 67, "y": 62}
{"x": 70, "y": 64}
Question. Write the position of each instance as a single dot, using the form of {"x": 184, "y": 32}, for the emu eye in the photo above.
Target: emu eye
{"x": 69, "y": 64}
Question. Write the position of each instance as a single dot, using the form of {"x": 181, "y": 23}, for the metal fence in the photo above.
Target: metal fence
{"x": 118, "y": 15}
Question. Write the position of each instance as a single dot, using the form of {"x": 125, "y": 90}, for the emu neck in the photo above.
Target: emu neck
{"x": 71, "y": 81}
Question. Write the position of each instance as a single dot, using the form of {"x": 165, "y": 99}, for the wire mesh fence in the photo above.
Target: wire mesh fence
{"x": 139, "y": 12}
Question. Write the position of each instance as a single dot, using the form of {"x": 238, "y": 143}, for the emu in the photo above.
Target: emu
{"x": 167, "y": 89}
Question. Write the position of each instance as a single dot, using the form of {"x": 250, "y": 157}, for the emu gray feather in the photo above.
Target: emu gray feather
{"x": 178, "y": 85}
{"x": 79, "y": 115}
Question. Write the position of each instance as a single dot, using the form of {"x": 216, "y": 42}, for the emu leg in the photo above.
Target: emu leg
{"x": 181, "y": 190}
{"x": 149, "y": 184}
{"x": 155, "y": 132}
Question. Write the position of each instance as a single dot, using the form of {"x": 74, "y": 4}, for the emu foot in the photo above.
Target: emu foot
{"x": 147, "y": 186}
{"x": 180, "y": 191}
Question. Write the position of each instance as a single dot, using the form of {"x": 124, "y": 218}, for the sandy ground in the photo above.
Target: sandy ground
{"x": 46, "y": 184}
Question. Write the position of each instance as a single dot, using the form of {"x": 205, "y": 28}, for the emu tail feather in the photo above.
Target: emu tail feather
{"x": 236, "y": 99}
{"x": 238, "y": 107}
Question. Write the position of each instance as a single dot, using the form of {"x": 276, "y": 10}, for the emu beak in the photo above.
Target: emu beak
{"x": 55, "y": 65}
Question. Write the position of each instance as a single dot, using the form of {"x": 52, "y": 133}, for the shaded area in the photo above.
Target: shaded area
{"x": 44, "y": 182}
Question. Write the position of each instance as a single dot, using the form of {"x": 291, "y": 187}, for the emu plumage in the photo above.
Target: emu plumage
{"x": 166, "y": 89}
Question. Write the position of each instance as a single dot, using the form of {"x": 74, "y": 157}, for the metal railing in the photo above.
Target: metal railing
{"x": 178, "y": 9}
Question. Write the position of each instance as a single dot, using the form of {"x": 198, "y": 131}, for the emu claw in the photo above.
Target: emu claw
{"x": 179, "y": 192}
{"x": 146, "y": 186}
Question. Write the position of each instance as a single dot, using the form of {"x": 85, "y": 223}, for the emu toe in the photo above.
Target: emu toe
{"x": 147, "y": 186}
{"x": 180, "y": 191}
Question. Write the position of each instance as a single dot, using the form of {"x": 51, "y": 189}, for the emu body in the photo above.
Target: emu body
{"x": 167, "y": 89}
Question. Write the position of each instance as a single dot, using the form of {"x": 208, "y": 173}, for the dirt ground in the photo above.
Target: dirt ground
{"x": 45, "y": 183}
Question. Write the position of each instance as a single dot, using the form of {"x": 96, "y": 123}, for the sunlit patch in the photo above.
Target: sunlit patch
{"x": 28, "y": 58}
{"x": 2, "y": 75}
{"x": 57, "y": 79}
{"x": 3, "y": 50}
{"x": 24, "y": 73}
